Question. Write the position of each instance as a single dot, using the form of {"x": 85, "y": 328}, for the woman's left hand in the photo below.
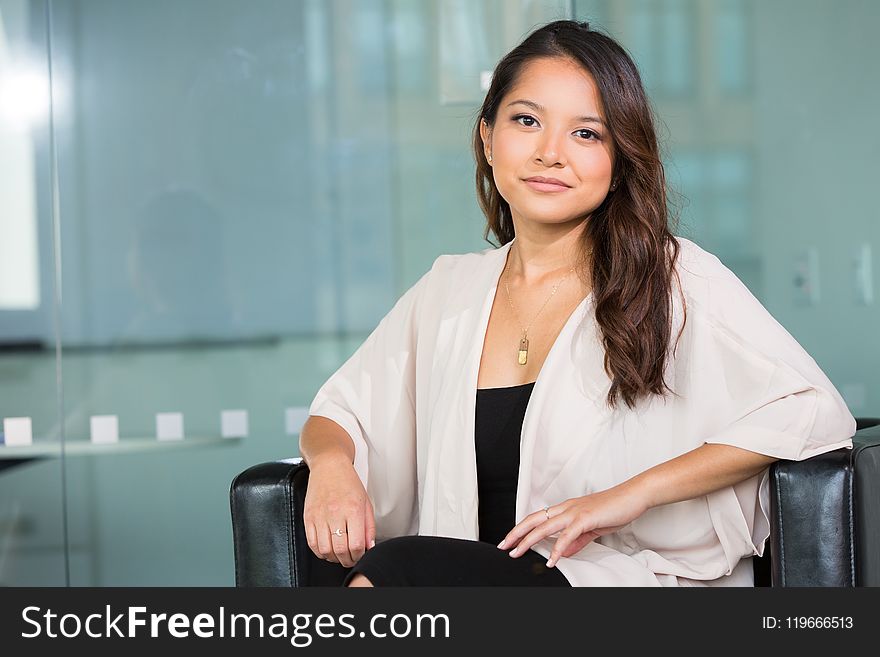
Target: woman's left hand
{"x": 580, "y": 519}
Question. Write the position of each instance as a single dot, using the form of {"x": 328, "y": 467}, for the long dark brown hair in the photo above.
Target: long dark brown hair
{"x": 634, "y": 251}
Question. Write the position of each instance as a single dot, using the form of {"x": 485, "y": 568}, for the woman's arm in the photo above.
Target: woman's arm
{"x": 323, "y": 440}
{"x": 580, "y": 520}
{"x": 699, "y": 472}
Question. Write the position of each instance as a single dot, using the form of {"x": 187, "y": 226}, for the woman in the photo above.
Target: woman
{"x": 599, "y": 398}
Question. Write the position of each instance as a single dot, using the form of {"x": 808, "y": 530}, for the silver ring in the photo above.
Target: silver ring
{"x": 338, "y": 532}
{"x": 547, "y": 512}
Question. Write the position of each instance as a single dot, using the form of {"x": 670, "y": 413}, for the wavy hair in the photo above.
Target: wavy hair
{"x": 634, "y": 251}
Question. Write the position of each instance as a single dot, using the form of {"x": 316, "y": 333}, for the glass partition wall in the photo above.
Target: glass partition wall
{"x": 206, "y": 206}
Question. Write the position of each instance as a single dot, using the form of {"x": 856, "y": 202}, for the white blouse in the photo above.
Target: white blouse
{"x": 407, "y": 398}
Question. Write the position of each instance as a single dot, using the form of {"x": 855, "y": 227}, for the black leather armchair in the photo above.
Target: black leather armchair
{"x": 825, "y": 524}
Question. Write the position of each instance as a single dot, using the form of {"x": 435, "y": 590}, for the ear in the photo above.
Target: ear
{"x": 486, "y": 136}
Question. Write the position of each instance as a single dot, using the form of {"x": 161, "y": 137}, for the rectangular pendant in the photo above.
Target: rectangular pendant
{"x": 523, "y": 355}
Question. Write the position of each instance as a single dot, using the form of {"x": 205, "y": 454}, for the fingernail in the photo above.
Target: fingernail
{"x": 372, "y": 542}
{"x": 550, "y": 562}
{"x": 514, "y": 552}
{"x": 502, "y": 543}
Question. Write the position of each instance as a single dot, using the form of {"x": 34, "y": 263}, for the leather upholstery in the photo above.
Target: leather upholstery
{"x": 270, "y": 543}
{"x": 825, "y": 517}
{"x": 825, "y": 522}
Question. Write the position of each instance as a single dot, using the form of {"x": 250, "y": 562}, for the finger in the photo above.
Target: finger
{"x": 565, "y": 539}
{"x": 312, "y": 537}
{"x": 340, "y": 543}
{"x": 579, "y": 543}
{"x": 576, "y": 545}
{"x": 355, "y": 536}
{"x": 524, "y": 527}
{"x": 370, "y": 525}
{"x": 325, "y": 545}
{"x": 555, "y": 524}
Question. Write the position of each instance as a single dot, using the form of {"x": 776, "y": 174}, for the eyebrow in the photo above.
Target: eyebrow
{"x": 539, "y": 108}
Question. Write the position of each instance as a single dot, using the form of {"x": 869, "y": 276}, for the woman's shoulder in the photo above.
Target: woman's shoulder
{"x": 468, "y": 259}
{"x": 455, "y": 279}
{"x": 703, "y": 277}
{"x": 457, "y": 267}
{"x": 694, "y": 260}
{"x": 713, "y": 292}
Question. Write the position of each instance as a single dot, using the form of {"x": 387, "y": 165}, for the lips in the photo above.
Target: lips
{"x": 541, "y": 184}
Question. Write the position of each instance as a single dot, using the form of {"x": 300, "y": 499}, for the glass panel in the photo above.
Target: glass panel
{"x": 475, "y": 35}
{"x": 198, "y": 203}
{"x": 32, "y": 533}
{"x": 679, "y": 61}
{"x": 732, "y": 50}
{"x": 641, "y": 26}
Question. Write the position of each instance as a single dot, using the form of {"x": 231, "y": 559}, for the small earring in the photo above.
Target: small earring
{"x": 490, "y": 158}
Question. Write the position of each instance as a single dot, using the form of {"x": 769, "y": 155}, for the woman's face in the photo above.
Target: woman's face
{"x": 550, "y": 124}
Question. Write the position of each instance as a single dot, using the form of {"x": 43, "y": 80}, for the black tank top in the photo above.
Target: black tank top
{"x": 498, "y": 426}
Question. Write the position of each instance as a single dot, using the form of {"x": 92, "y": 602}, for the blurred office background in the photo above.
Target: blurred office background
{"x": 207, "y": 205}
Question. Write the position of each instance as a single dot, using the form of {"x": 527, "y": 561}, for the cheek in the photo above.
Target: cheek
{"x": 506, "y": 187}
{"x": 595, "y": 166}
{"x": 512, "y": 151}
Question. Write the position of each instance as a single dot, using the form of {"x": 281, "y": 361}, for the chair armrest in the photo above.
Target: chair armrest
{"x": 825, "y": 517}
{"x": 824, "y": 524}
{"x": 270, "y": 544}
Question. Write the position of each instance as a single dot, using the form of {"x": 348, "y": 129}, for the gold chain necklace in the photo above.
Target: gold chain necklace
{"x": 523, "y": 352}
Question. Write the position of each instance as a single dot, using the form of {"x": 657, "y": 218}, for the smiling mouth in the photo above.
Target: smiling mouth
{"x": 545, "y": 186}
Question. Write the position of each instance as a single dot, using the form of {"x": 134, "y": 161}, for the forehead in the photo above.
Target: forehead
{"x": 559, "y": 84}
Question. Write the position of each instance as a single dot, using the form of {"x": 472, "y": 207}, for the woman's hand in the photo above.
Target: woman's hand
{"x": 336, "y": 499}
{"x": 580, "y": 519}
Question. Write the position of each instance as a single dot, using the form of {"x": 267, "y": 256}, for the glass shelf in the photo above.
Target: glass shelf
{"x": 81, "y": 447}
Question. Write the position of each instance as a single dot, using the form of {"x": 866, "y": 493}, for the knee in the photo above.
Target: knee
{"x": 360, "y": 581}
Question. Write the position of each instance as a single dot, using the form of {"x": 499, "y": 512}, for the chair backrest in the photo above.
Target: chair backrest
{"x": 825, "y": 516}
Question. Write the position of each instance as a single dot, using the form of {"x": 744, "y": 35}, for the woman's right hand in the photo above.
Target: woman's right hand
{"x": 336, "y": 498}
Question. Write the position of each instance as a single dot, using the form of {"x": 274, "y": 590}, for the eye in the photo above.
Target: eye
{"x": 595, "y": 136}
{"x": 526, "y": 117}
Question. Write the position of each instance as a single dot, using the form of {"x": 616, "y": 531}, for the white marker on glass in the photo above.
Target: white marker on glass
{"x": 105, "y": 429}
{"x": 234, "y": 424}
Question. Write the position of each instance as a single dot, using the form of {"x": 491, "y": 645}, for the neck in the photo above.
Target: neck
{"x": 535, "y": 260}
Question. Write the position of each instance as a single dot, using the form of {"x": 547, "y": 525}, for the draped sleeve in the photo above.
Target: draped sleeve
{"x": 755, "y": 388}
{"x": 773, "y": 397}
{"x": 372, "y": 396}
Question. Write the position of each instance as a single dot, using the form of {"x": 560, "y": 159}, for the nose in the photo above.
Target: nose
{"x": 550, "y": 150}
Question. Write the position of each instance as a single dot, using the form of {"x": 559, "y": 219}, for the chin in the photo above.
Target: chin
{"x": 546, "y": 219}
{"x": 546, "y": 212}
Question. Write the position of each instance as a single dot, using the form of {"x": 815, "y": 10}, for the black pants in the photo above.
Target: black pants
{"x": 444, "y": 561}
